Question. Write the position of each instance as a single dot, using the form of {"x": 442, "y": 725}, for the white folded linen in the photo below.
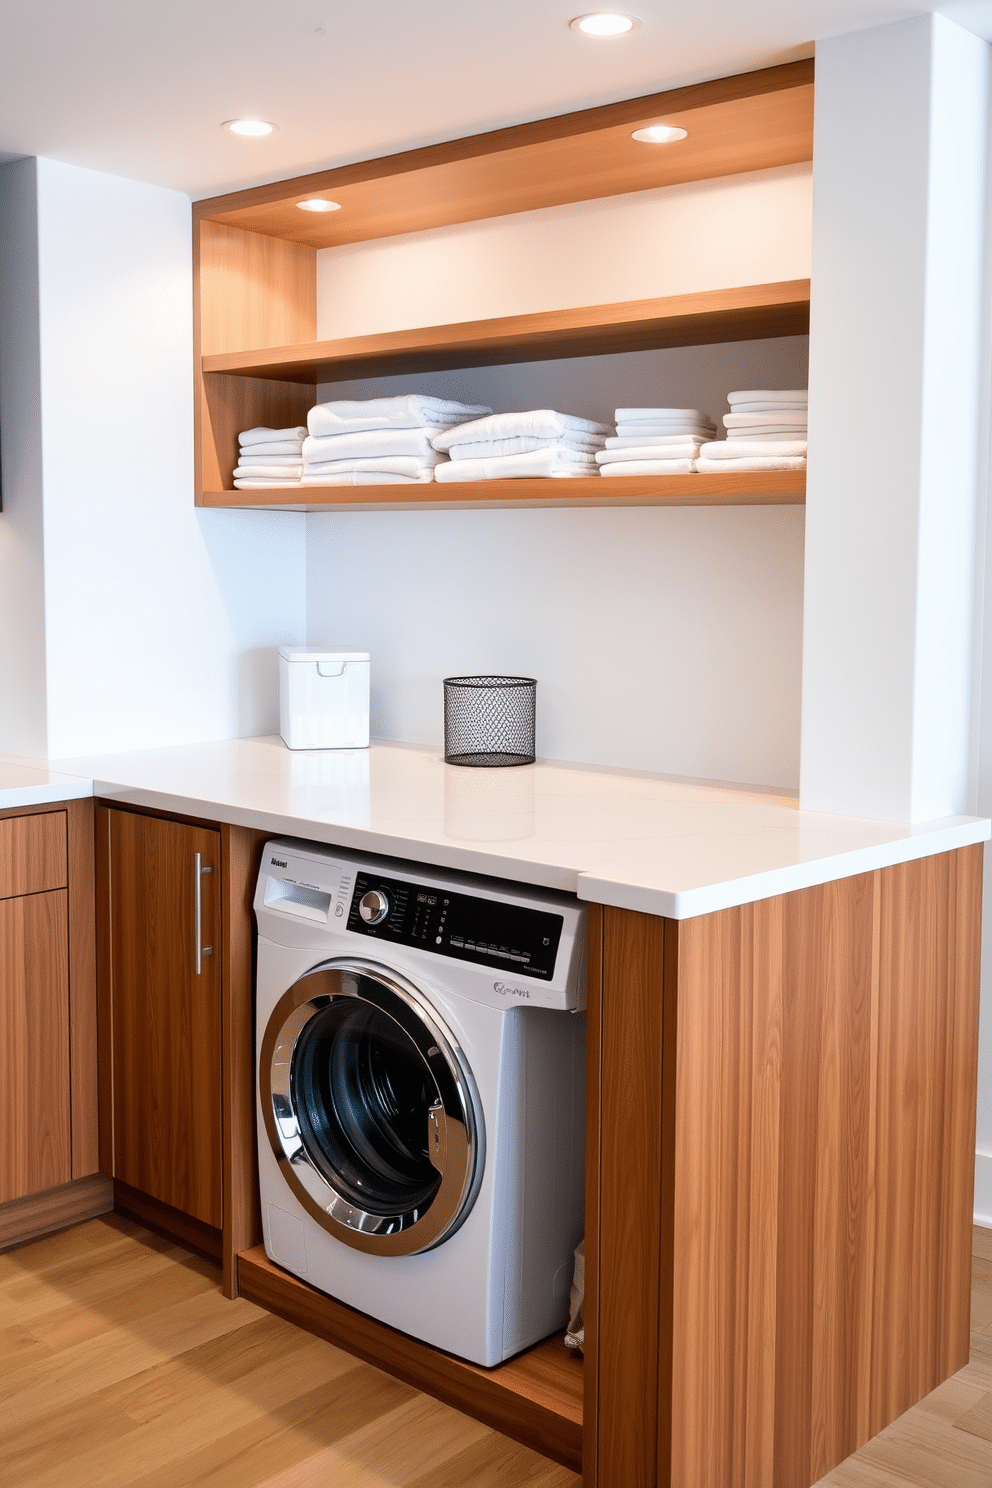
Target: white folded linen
{"x": 681, "y": 451}
{"x": 650, "y": 467}
{"x": 534, "y": 423}
{"x": 251, "y": 484}
{"x": 661, "y": 415}
{"x": 766, "y": 434}
{"x": 763, "y": 449}
{"x": 768, "y": 408}
{"x": 274, "y": 447}
{"x": 413, "y": 466}
{"x": 727, "y": 467}
{"x": 523, "y": 444}
{"x": 368, "y": 444}
{"x": 367, "y": 478}
{"x": 270, "y": 436}
{"x": 271, "y": 462}
{"x": 407, "y": 411}
{"x": 655, "y": 441}
{"x": 549, "y": 461}
{"x": 783, "y": 420}
{"x": 250, "y": 471}
{"x": 770, "y": 395}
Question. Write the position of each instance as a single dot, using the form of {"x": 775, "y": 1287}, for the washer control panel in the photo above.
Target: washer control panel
{"x": 511, "y": 937}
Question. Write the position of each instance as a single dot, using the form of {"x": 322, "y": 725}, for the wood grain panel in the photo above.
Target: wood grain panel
{"x": 166, "y": 1018}
{"x": 743, "y": 313}
{"x": 33, "y": 857}
{"x": 536, "y": 1398}
{"x": 749, "y": 122}
{"x": 593, "y": 1162}
{"x": 104, "y": 986}
{"x": 35, "y": 1152}
{"x": 54, "y": 1209}
{"x": 164, "y": 1219}
{"x": 83, "y": 1031}
{"x": 241, "y": 854}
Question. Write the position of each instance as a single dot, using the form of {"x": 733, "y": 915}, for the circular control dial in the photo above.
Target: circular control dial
{"x": 374, "y": 906}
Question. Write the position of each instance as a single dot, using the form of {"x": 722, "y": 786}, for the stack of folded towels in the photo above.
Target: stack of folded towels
{"x": 535, "y": 443}
{"x": 269, "y": 457}
{"x": 379, "y": 441}
{"x": 656, "y": 441}
{"x": 766, "y": 430}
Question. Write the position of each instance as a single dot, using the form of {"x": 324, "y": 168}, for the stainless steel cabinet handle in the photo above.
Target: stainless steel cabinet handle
{"x": 198, "y": 871}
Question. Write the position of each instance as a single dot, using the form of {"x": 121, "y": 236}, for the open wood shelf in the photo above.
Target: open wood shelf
{"x": 773, "y": 488}
{"x": 746, "y": 313}
{"x": 536, "y": 1398}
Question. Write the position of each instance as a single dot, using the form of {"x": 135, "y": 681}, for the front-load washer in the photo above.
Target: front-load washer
{"x": 420, "y": 1059}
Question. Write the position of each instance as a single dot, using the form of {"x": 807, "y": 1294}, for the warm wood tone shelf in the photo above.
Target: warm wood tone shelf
{"x": 747, "y": 313}
{"x": 776, "y": 488}
{"x": 536, "y": 1398}
{"x": 749, "y": 122}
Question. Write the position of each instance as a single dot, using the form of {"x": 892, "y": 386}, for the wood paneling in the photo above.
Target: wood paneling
{"x": 746, "y": 313}
{"x": 104, "y": 987}
{"x": 33, "y": 854}
{"x": 770, "y": 488}
{"x": 35, "y": 1152}
{"x": 83, "y": 1032}
{"x": 749, "y": 122}
{"x": 535, "y": 1398}
{"x": 166, "y": 1018}
{"x": 241, "y": 853}
{"x": 165, "y": 1220}
{"x": 593, "y": 1162}
{"x": 55, "y": 1209}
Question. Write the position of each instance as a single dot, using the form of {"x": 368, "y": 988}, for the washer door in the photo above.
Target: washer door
{"x": 371, "y": 1109}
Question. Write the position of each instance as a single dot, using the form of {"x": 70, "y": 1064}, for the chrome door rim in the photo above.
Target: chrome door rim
{"x": 456, "y": 1117}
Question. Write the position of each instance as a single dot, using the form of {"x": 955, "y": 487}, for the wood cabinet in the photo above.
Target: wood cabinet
{"x": 258, "y": 357}
{"x": 161, "y": 968}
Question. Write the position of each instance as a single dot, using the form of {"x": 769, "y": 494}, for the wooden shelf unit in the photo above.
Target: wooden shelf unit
{"x": 258, "y": 357}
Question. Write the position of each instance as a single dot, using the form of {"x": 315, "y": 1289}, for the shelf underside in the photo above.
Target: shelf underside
{"x": 774, "y": 488}
{"x": 536, "y": 1398}
{"x": 745, "y": 313}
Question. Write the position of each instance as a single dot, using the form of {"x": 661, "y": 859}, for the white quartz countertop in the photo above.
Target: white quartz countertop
{"x": 637, "y": 841}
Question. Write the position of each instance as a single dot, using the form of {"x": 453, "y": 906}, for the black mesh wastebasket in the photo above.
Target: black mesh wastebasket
{"x": 489, "y": 721}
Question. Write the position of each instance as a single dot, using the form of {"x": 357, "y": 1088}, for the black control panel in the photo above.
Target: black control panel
{"x": 509, "y": 937}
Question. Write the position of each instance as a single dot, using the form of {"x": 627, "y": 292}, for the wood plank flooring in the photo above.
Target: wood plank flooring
{"x": 121, "y": 1364}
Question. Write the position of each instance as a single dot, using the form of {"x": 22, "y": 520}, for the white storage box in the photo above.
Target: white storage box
{"x": 324, "y": 698}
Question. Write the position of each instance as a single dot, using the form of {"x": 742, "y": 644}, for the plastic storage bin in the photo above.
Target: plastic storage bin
{"x": 324, "y": 698}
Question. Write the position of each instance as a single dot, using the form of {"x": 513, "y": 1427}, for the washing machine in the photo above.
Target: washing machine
{"x": 420, "y": 1043}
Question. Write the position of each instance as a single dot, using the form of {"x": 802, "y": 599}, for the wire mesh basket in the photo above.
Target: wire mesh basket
{"x": 489, "y": 721}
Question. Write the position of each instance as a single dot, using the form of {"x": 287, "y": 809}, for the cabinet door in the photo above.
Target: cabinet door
{"x": 166, "y": 1011}
{"x": 34, "y": 1044}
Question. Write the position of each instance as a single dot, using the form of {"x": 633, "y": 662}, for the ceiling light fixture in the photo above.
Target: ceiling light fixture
{"x": 660, "y": 134}
{"x": 604, "y": 24}
{"x": 251, "y": 128}
{"x": 319, "y": 204}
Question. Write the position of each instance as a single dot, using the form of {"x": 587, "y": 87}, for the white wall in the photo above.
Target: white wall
{"x": 160, "y": 622}
{"x": 22, "y": 580}
{"x": 895, "y": 365}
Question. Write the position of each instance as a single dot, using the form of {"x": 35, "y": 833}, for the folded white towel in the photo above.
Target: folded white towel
{"x": 768, "y": 407}
{"x": 368, "y": 444}
{"x": 728, "y": 467}
{"x": 411, "y": 465}
{"x": 271, "y": 436}
{"x": 249, "y": 471}
{"x": 786, "y": 419}
{"x": 535, "y": 423}
{"x": 682, "y": 451}
{"x": 767, "y": 434}
{"x": 549, "y": 461}
{"x": 770, "y": 395}
{"x": 662, "y": 415}
{"x": 249, "y": 483}
{"x": 650, "y": 467}
{"x": 643, "y": 432}
{"x": 274, "y": 447}
{"x": 271, "y": 462}
{"x": 762, "y": 449}
{"x": 408, "y": 411}
{"x": 656, "y": 441}
{"x": 522, "y": 444}
{"x": 367, "y": 478}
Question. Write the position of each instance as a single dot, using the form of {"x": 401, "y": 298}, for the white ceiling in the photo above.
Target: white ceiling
{"x": 141, "y": 90}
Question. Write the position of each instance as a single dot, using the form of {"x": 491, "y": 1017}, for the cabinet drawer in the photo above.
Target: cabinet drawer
{"x": 32, "y": 854}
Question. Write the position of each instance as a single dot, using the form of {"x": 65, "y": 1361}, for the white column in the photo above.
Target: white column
{"x": 895, "y": 375}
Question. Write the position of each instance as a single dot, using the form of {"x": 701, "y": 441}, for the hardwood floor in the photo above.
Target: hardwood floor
{"x": 121, "y": 1363}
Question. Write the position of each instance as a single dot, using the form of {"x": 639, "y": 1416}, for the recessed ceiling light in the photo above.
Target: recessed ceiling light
{"x": 253, "y": 128}
{"x": 319, "y": 204}
{"x": 660, "y": 134}
{"x": 605, "y": 24}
